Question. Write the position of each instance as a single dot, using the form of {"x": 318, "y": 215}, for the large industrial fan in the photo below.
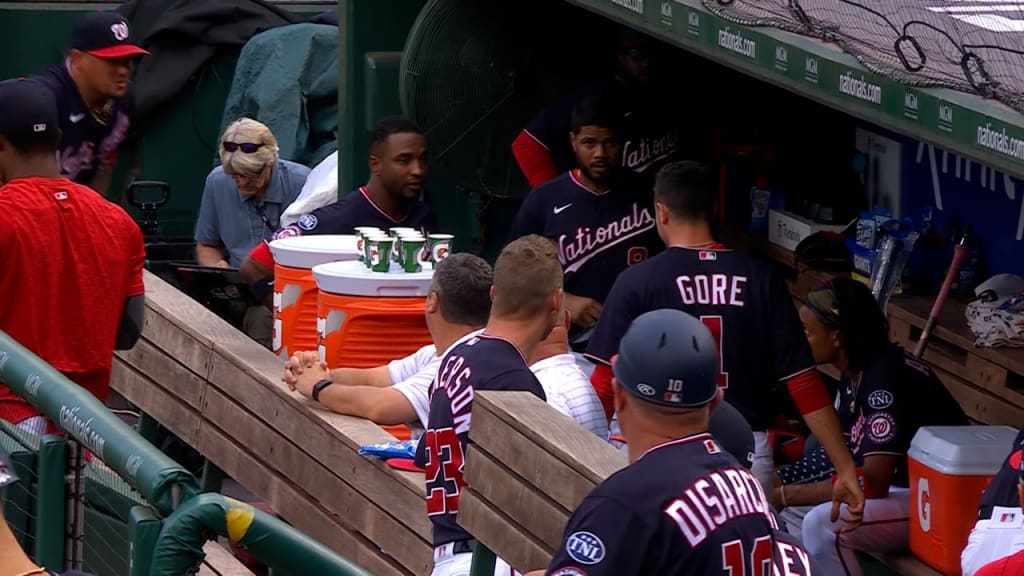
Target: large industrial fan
{"x": 473, "y": 73}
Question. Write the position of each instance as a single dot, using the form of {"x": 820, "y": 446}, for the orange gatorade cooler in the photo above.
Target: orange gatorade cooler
{"x": 950, "y": 466}
{"x": 368, "y": 319}
{"x": 295, "y": 292}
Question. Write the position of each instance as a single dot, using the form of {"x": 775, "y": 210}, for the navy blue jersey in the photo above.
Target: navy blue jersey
{"x": 598, "y": 235}
{"x": 356, "y": 209}
{"x": 1002, "y": 491}
{"x": 480, "y": 363}
{"x": 684, "y": 507}
{"x": 86, "y": 144}
{"x": 882, "y": 412}
{"x": 744, "y": 303}
{"x": 651, "y": 129}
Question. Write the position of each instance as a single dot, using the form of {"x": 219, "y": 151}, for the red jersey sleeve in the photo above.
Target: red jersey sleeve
{"x": 262, "y": 255}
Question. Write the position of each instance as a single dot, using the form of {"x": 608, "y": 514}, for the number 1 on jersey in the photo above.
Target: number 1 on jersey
{"x": 734, "y": 558}
{"x": 714, "y": 324}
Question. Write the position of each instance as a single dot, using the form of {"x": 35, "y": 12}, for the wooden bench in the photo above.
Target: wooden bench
{"x": 221, "y": 393}
{"x": 220, "y": 561}
{"x": 528, "y": 468}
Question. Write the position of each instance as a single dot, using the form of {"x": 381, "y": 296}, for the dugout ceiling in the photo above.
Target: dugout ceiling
{"x": 931, "y": 38}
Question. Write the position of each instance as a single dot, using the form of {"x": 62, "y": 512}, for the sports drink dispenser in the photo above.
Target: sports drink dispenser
{"x": 295, "y": 291}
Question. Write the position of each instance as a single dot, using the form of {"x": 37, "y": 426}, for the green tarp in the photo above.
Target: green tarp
{"x": 288, "y": 79}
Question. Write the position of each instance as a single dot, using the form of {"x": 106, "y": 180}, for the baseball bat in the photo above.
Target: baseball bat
{"x": 959, "y": 255}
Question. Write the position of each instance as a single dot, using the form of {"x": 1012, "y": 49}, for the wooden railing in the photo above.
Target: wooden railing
{"x": 221, "y": 393}
{"x": 528, "y": 468}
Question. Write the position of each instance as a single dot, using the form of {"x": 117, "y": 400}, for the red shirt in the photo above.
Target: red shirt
{"x": 1009, "y": 566}
{"x": 69, "y": 259}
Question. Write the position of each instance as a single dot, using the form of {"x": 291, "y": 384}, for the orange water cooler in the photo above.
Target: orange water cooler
{"x": 950, "y": 466}
{"x": 368, "y": 319}
{"x": 295, "y": 292}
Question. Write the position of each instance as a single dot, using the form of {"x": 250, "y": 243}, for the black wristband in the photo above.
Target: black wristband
{"x": 260, "y": 289}
{"x": 319, "y": 387}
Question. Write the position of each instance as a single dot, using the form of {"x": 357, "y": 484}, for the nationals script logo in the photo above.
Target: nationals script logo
{"x": 641, "y": 153}
{"x": 575, "y": 251}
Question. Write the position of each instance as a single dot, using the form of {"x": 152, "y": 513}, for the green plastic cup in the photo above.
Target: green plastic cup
{"x": 361, "y": 233}
{"x": 412, "y": 247}
{"x": 440, "y": 245}
{"x": 380, "y": 253}
{"x": 368, "y": 245}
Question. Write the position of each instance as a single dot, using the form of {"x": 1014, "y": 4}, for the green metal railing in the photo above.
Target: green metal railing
{"x": 162, "y": 481}
{"x": 270, "y": 540}
{"x": 165, "y": 537}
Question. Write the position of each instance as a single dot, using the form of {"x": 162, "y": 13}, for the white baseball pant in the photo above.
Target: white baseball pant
{"x": 763, "y": 467}
{"x": 886, "y": 528}
{"x": 448, "y": 564}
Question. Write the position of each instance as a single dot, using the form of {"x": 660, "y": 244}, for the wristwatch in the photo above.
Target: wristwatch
{"x": 319, "y": 387}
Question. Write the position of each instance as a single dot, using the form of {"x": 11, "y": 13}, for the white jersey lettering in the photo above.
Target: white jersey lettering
{"x": 713, "y": 501}
{"x": 575, "y": 251}
{"x": 712, "y": 290}
{"x": 791, "y": 557}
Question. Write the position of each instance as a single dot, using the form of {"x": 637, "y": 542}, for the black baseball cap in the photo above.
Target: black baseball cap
{"x": 670, "y": 358}
{"x": 28, "y": 111}
{"x": 104, "y": 35}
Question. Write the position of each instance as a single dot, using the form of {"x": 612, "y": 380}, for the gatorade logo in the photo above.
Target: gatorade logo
{"x": 374, "y": 256}
{"x": 439, "y": 251}
{"x": 924, "y": 505}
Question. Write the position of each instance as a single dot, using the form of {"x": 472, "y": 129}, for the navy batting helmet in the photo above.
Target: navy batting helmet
{"x": 668, "y": 357}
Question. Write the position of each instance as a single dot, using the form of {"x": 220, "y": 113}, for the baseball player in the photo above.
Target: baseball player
{"x": 92, "y": 87}
{"x": 682, "y": 505}
{"x": 457, "y": 309}
{"x": 527, "y": 304}
{"x": 1002, "y": 491}
{"x": 651, "y": 128}
{"x": 997, "y": 533}
{"x": 747, "y": 307}
{"x": 70, "y": 260}
{"x": 398, "y": 167}
{"x": 878, "y": 412}
{"x": 1010, "y": 560}
{"x": 599, "y": 215}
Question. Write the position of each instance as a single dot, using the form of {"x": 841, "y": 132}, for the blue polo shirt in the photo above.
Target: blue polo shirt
{"x": 228, "y": 219}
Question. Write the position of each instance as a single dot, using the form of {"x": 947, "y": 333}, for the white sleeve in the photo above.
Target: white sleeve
{"x": 969, "y": 558}
{"x": 991, "y": 540}
{"x": 407, "y": 367}
{"x": 416, "y": 388}
{"x": 571, "y": 393}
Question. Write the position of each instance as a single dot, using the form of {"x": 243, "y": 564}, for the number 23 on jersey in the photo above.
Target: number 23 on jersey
{"x": 443, "y": 470}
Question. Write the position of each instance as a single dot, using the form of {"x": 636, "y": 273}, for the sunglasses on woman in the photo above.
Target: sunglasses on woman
{"x": 245, "y": 147}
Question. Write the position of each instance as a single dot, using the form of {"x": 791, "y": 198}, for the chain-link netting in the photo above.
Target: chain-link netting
{"x": 974, "y": 46}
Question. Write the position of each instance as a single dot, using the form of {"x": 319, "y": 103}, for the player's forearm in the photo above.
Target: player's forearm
{"x": 207, "y": 255}
{"x": 807, "y": 494}
{"x": 252, "y": 271}
{"x": 102, "y": 180}
{"x": 384, "y": 406}
{"x": 378, "y": 377}
{"x": 824, "y": 424}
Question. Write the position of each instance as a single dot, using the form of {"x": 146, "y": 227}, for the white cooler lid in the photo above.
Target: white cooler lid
{"x": 963, "y": 450}
{"x": 308, "y": 251}
{"x": 355, "y": 279}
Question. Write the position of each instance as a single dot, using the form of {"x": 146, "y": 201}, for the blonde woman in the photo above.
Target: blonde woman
{"x": 242, "y": 205}
{"x": 245, "y": 196}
